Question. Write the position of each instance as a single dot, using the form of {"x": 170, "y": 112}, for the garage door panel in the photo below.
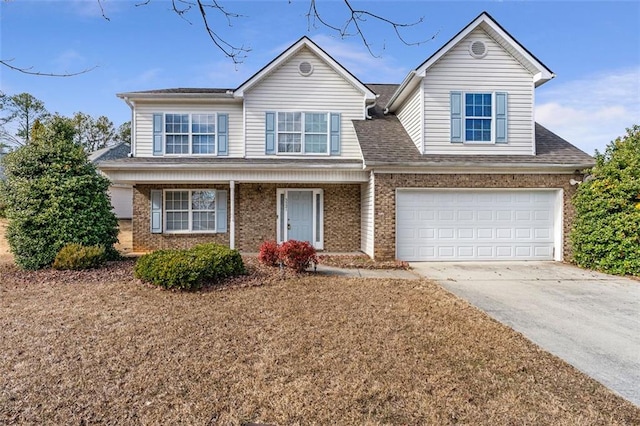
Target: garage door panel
{"x": 472, "y": 224}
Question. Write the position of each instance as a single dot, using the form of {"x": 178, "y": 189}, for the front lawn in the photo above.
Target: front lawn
{"x": 99, "y": 347}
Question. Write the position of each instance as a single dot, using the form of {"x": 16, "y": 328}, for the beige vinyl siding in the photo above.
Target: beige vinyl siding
{"x": 496, "y": 72}
{"x": 410, "y": 115}
{"x": 286, "y": 90}
{"x": 144, "y": 122}
{"x": 366, "y": 215}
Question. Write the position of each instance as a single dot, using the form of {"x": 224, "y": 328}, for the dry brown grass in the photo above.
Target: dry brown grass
{"x": 305, "y": 350}
{"x": 99, "y": 347}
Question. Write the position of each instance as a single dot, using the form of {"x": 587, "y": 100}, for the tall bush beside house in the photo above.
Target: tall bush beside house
{"x": 606, "y": 231}
{"x": 54, "y": 197}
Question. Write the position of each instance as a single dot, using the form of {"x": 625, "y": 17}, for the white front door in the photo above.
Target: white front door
{"x": 300, "y": 216}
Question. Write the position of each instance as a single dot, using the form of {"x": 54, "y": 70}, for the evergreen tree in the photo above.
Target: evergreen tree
{"x": 54, "y": 196}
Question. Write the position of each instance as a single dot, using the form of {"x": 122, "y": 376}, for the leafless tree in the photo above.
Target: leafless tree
{"x": 353, "y": 24}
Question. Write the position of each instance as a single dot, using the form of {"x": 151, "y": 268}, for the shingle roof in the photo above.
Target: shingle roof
{"x": 115, "y": 152}
{"x": 384, "y": 141}
{"x": 185, "y": 90}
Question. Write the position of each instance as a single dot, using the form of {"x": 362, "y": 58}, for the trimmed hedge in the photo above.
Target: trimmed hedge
{"x": 189, "y": 269}
{"x": 606, "y": 230}
{"x": 77, "y": 256}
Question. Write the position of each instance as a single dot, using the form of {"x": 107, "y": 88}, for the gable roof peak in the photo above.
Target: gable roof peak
{"x": 540, "y": 72}
{"x": 304, "y": 41}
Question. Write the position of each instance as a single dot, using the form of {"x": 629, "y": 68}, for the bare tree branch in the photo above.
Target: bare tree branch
{"x": 354, "y": 21}
{"x": 102, "y": 10}
{"x": 29, "y": 70}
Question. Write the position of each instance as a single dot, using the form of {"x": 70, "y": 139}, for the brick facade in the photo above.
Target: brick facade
{"x": 144, "y": 240}
{"x": 385, "y": 198}
{"x": 255, "y": 214}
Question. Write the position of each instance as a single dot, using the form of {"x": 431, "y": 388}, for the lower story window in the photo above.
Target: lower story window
{"x": 190, "y": 211}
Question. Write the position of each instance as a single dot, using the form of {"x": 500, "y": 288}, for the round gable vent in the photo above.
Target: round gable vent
{"x": 477, "y": 49}
{"x": 305, "y": 68}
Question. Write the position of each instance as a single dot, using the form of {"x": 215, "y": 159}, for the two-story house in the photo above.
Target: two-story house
{"x": 448, "y": 165}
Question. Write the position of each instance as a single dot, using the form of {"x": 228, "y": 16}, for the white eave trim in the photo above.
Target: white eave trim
{"x": 287, "y": 54}
{"x": 177, "y": 96}
{"x": 411, "y": 81}
{"x": 276, "y": 165}
{"x": 463, "y": 167}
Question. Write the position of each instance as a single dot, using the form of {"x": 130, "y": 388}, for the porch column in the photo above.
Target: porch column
{"x": 232, "y": 213}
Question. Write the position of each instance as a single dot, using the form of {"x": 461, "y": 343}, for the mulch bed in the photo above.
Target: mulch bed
{"x": 361, "y": 262}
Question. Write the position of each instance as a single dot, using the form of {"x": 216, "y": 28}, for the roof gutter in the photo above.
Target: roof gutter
{"x": 471, "y": 167}
{"x": 133, "y": 124}
{"x": 116, "y": 165}
{"x": 411, "y": 78}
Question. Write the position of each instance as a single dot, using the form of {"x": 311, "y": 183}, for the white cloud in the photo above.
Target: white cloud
{"x": 592, "y": 111}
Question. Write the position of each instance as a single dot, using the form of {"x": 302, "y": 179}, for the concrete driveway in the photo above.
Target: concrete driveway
{"x": 589, "y": 319}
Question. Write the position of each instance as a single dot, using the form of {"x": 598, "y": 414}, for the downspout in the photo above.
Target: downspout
{"x": 133, "y": 126}
{"x": 232, "y": 214}
{"x": 367, "y": 108}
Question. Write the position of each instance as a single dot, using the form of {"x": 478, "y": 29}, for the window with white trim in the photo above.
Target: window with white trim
{"x": 190, "y": 134}
{"x": 479, "y": 117}
{"x": 190, "y": 210}
{"x": 303, "y": 132}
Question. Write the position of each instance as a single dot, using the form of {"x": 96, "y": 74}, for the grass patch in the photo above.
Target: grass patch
{"x": 80, "y": 347}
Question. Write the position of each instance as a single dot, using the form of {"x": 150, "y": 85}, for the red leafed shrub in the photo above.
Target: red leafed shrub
{"x": 269, "y": 253}
{"x": 297, "y": 255}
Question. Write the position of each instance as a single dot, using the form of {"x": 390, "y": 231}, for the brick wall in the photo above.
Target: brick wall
{"x": 255, "y": 207}
{"x": 385, "y": 198}
{"x": 256, "y": 215}
{"x": 144, "y": 240}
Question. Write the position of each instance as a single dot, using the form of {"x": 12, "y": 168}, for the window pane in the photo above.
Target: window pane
{"x": 177, "y": 123}
{"x": 177, "y": 144}
{"x": 203, "y": 123}
{"x": 177, "y": 221}
{"x": 478, "y": 104}
{"x": 289, "y": 142}
{"x": 203, "y": 144}
{"x": 177, "y": 200}
{"x": 204, "y": 221}
{"x": 289, "y": 122}
{"x": 478, "y": 130}
{"x": 315, "y": 123}
{"x": 315, "y": 143}
{"x": 203, "y": 200}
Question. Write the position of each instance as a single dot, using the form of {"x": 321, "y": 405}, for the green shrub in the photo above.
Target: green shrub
{"x": 606, "y": 229}
{"x": 54, "y": 196}
{"x": 189, "y": 269}
{"x": 77, "y": 256}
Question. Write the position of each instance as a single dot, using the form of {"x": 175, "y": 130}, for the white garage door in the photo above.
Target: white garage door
{"x": 475, "y": 224}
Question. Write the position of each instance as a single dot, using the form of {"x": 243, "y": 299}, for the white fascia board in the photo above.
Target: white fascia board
{"x": 287, "y": 54}
{"x": 411, "y": 81}
{"x": 276, "y": 165}
{"x": 485, "y": 20}
{"x": 474, "y": 168}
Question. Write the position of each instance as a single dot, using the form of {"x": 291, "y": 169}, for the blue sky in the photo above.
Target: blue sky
{"x": 592, "y": 47}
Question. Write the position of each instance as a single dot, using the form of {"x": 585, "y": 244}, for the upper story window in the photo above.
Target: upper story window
{"x": 190, "y": 134}
{"x": 311, "y": 133}
{"x": 296, "y": 137}
{"x": 479, "y": 117}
